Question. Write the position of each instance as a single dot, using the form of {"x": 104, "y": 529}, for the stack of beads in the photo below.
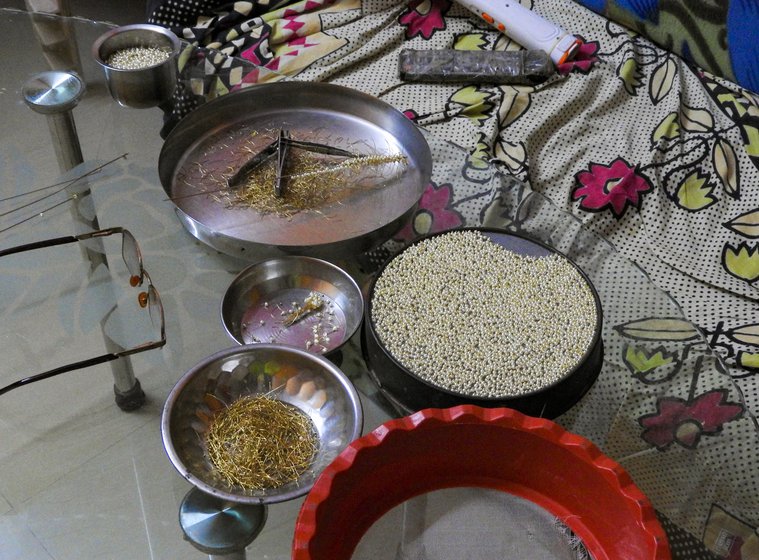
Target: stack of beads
{"x": 136, "y": 58}
{"x": 473, "y": 317}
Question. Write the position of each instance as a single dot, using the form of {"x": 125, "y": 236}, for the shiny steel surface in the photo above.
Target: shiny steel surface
{"x": 210, "y": 139}
{"x": 53, "y": 92}
{"x": 217, "y": 526}
{"x": 143, "y": 87}
{"x": 336, "y": 413}
{"x": 257, "y": 293}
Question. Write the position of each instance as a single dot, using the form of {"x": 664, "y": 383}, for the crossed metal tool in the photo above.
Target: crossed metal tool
{"x": 280, "y": 147}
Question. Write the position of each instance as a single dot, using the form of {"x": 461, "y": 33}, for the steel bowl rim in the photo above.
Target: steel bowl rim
{"x": 350, "y": 392}
{"x": 184, "y": 136}
{"x": 176, "y": 43}
{"x": 505, "y": 398}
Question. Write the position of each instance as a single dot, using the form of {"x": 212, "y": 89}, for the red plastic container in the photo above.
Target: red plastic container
{"x": 496, "y": 448}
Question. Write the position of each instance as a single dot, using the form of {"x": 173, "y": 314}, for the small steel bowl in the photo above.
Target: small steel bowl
{"x": 311, "y": 383}
{"x": 143, "y": 87}
{"x": 260, "y": 300}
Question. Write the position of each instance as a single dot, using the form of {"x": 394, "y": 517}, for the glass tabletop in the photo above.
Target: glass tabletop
{"x": 81, "y": 478}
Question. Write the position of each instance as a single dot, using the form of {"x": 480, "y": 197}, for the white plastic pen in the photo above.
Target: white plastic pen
{"x": 526, "y": 27}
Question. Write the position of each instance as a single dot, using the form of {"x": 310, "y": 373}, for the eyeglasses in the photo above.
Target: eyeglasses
{"x": 147, "y": 298}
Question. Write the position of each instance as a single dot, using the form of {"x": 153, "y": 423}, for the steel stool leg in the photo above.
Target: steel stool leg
{"x": 220, "y": 528}
{"x": 55, "y": 94}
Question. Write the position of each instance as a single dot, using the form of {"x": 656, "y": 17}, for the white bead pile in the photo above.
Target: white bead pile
{"x": 470, "y": 316}
{"x": 135, "y": 58}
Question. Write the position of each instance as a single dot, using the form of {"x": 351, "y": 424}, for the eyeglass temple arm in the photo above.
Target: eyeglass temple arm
{"x": 59, "y": 370}
{"x": 59, "y": 241}
{"x": 82, "y": 364}
{"x": 39, "y": 245}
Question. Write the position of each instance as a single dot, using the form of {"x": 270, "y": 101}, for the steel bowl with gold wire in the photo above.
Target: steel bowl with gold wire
{"x": 245, "y": 377}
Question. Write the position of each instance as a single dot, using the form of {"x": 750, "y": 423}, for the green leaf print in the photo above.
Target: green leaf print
{"x": 471, "y": 42}
{"x": 695, "y": 192}
{"x": 480, "y": 156}
{"x": 664, "y": 328}
{"x": 746, "y": 224}
{"x": 726, "y": 166}
{"x": 741, "y": 261}
{"x": 631, "y": 76}
{"x": 748, "y": 360}
{"x": 662, "y": 80}
{"x": 641, "y": 362}
{"x": 476, "y": 102}
{"x": 730, "y": 104}
{"x": 668, "y": 129}
{"x": 751, "y": 134}
{"x": 651, "y": 366}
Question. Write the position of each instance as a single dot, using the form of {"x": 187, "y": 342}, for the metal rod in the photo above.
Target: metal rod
{"x": 55, "y": 94}
{"x": 68, "y": 151}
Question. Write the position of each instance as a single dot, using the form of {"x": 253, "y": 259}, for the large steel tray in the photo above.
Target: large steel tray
{"x": 216, "y": 139}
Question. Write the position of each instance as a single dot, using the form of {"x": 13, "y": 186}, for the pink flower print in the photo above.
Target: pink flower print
{"x": 254, "y": 51}
{"x": 684, "y": 422}
{"x": 411, "y": 114}
{"x": 615, "y": 186}
{"x": 583, "y": 60}
{"x": 432, "y": 215}
{"x": 735, "y": 548}
{"x": 424, "y": 17}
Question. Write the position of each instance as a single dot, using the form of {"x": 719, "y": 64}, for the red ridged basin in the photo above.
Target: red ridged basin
{"x": 496, "y": 448}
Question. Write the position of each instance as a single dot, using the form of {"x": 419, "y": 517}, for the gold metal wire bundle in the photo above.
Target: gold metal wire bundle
{"x": 311, "y": 184}
{"x": 355, "y": 163}
{"x": 260, "y": 442}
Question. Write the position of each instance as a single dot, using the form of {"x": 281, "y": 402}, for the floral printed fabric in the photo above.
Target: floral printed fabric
{"x": 635, "y": 147}
{"x": 722, "y": 37}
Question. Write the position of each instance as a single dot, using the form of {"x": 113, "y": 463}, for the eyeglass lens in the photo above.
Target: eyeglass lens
{"x": 153, "y": 304}
{"x": 130, "y": 251}
{"x": 155, "y": 309}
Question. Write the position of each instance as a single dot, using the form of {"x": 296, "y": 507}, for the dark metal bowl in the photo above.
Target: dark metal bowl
{"x": 410, "y": 392}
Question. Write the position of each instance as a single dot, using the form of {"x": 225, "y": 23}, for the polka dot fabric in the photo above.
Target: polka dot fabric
{"x": 641, "y": 168}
